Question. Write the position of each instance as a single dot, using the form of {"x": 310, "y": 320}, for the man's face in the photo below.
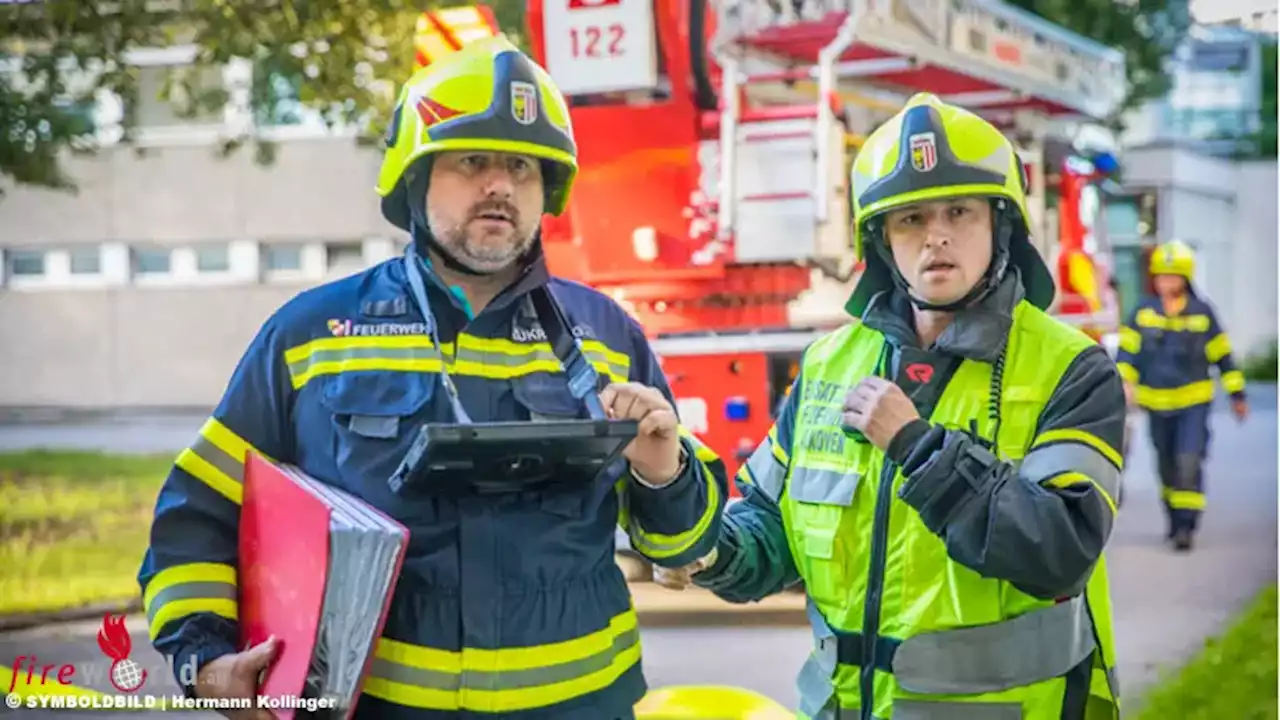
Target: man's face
{"x": 1168, "y": 286}
{"x": 942, "y": 248}
{"x": 484, "y": 207}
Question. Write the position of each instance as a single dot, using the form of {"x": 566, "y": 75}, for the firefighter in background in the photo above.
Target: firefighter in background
{"x": 1166, "y": 350}
{"x": 951, "y": 539}
{"x": 507, "y": 607}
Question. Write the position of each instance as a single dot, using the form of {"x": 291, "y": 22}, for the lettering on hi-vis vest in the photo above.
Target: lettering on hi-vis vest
{"x": 822, "y": 432}
{"x": 822, "y": 391}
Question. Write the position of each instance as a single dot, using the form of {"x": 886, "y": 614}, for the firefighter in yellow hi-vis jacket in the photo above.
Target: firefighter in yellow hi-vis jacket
{"x": 1166, "y": 349}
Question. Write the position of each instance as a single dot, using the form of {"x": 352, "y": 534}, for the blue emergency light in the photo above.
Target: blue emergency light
{"x": 1105, "y": 163}
{"x": 737, "y": 409}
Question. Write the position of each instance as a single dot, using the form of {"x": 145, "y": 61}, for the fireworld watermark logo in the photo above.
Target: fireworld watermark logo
{"x": 126, "y": 675}
{"x": 37, "y": 684}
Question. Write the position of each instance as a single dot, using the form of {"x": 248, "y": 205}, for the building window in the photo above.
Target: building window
{"x": 212, "y": 258}
{"x": 85, "y": 261}
{"x": 345, "y": 257}
{"x": 151, "y": 261}
{"x": 282, "y": 258}
{"x": 26, "y": 263}
{"x": 154, "y": 111}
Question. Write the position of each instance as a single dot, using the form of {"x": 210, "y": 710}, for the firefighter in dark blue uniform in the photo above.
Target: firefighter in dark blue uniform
{"x": 1167, "y": 348}
{"x": 508, "y": 607}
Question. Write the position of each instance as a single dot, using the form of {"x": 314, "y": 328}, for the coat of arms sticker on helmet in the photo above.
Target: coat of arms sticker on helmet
{"x": 524, "y": 102}
{"x": 924, "y": 151}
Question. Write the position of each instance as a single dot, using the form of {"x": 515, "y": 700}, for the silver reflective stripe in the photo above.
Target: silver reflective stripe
{"x": 201, "y": 590}
{"x": 824, "y": 487}
{"x": 1052, "y": 460}
{"x": 518, "y": 363}
{"x": 497, "y": 680}
{"x": 1031, "y": 648}
{"x": 923, "y": 710}
{"x": 767, "y": 473}
{"x": 218, "y": 458}
{"x": 815, "y": 682}
{"x": 319, "y": 358}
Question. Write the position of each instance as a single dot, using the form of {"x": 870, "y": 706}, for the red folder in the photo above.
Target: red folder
{"x": 284, "y": 570}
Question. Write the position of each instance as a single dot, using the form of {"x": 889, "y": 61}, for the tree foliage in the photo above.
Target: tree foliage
{"x": 1148, "y": 31}
{"x": 344, "y": 60}
{"x": 1265, "y": 142}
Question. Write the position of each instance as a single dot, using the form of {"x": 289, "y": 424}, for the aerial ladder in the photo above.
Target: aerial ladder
{"x": 714, "y": 139}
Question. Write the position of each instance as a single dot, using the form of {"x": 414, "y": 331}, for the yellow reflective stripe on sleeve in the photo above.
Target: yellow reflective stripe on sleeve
{"x": 1164, "y": 399}
{"x": 504, "y": 680}
{"x": 1128, "y": 372}
{"x": 624, "y": 508}
{"x": 332, "y": 355}
{"x": 1068, "y": 479}
{"x": 656, "y": 545}
{"x": 183, "y": 590}
{"x": 778, "y": 451}
{"x": 1217, "y": 348}
{"x": 1233, "y": 382}
{"x": 1130, "y": 340}
{"x": 1084, "y": 438}
{"x": 216, "y": 458}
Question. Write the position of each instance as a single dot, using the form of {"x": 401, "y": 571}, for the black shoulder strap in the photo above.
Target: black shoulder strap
{"x": 584, "y": 381}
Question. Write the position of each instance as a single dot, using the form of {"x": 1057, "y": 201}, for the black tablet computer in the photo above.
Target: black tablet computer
{"x": 506, "y": 457}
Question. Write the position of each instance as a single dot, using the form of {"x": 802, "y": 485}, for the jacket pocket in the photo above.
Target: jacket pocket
{"x": 547, "y": 399}
{"x": 826, "y": 536}
{"x": 373, "y": 424}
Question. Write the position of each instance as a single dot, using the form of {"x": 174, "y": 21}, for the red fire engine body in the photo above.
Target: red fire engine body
{"x": 713, "y": 139}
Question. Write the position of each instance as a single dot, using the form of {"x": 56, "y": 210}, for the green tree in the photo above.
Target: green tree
{"x": 1265, "y": 142}
{"x": 344, "y": 59}
{"x": 1148, "y": 31}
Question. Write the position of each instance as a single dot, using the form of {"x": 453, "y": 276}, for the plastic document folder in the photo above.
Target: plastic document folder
{"x": 318, "y": 567}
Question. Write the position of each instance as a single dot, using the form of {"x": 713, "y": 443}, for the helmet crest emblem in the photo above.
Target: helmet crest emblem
{"x": 924, "y": 151}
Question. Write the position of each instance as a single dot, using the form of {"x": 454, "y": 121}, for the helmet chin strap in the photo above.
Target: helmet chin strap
{"x": 991, "y": 279}
{"x": 426, "y": 241}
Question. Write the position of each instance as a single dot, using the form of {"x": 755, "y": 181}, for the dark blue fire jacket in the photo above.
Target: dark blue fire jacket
{"x": 1169, "y": 357}
{"x": 511, "y": 608}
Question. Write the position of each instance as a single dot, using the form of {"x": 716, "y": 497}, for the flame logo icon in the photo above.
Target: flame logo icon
{"x": 113, "y": 638}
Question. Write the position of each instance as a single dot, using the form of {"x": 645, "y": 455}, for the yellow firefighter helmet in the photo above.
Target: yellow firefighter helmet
{"x": 1174, "y": 258}
{"x": 708, "y": 702}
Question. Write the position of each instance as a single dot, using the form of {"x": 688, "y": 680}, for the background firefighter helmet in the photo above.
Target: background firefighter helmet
{"x": 932, "y": 151}
{"x": 1174, "y": 258}
{"x": 487, "y": 96}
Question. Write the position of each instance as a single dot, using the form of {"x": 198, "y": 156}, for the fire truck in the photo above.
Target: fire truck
{"x": 714, "y": 139}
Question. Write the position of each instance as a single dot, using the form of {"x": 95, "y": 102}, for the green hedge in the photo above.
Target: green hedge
{"x": 1232, "y": 678}
{"x": 1263, "y": 365}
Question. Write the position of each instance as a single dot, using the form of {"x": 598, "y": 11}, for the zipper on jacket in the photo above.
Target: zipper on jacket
{"x": 875, "y": 586}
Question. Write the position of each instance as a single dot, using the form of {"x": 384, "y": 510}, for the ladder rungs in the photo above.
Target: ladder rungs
{"x": 710, "y": 119}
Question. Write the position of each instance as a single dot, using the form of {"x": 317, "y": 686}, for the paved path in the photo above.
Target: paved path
{"x": 1166, "y": 604}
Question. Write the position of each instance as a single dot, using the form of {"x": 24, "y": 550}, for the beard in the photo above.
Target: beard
{"x": 481, "y": 246}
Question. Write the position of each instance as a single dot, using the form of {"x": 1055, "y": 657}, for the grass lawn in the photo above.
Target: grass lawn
{"x": 73, "y": 527}
{"x": 1233, "y": 677}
